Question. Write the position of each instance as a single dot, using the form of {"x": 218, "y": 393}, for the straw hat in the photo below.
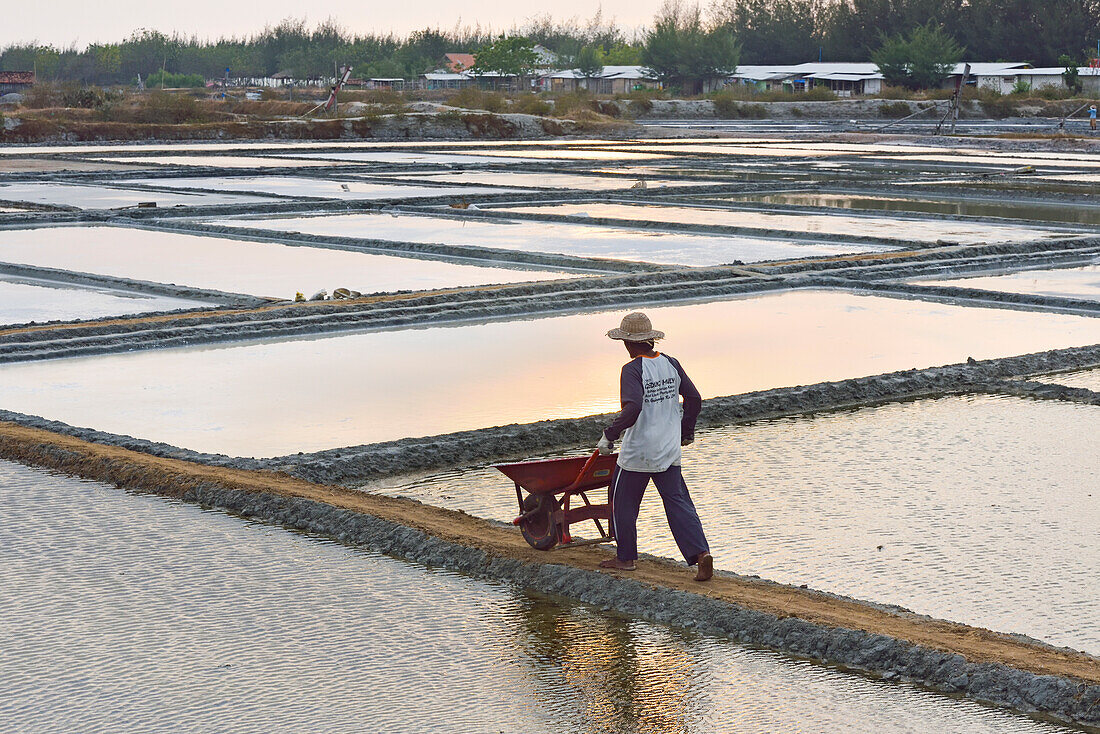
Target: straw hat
{"x": 636, "y": 327}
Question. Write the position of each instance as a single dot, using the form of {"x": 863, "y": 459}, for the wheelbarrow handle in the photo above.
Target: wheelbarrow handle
{"x": 584, "y": 470}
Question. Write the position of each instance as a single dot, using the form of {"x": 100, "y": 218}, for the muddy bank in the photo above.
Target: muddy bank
{"x": 841, "y": 110}
{"x": 453, "y": 125}
{"x": 1000, "y": 669}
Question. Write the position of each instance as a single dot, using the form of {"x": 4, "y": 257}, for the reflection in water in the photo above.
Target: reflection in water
{"x": 628, "y": 676}
{"x": 133, "y": 613}
{"x": 1006, "y": 209}
{"x": 931, "y": 231}
{"x": 618, "y": 243}
{"x": 1088, "y": 379}
{"x": 278, "y": 397}
{"x": 968, "y": 508}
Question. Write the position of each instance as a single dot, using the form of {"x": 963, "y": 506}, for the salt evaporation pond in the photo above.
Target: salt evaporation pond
{"x": 102, "y": 197}
{"x": 218, "y": 161}
{"x": 1070, "y": 213}
{"x": 315, "y": 187}
{"x": 136, "y": 613}
{"x": 1083, "y": 282}
{"x": 277, "y": 397}
{"x": 1088, "y": 379}
{"x": 618, "y": 243}
{"x": 974, "y": 509}
{"x": 264, "y": 269}
{"x": 547, "y": 180}
{"x": 23, "y": 300}
{"x": 833, "y": 224}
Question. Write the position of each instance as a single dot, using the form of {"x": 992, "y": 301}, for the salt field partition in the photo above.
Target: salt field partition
{"x": 99, "y": 196}
{"x": 1072, "y": 213}
{"x": 269, "y": 398}
{"x": 830, "y": 224}
{"x": 1088, "y": 379}
{"x": 1082, "y": 282}
{"x": 265, "y": 269}
{"x": 545, "y": 180}
{"x": 23, "y": 300}
{"x": 618, "y": 243}
{"x": 300, "y": 186}
{"x": 973, "y": 509}
{"x": 162, "y": 629}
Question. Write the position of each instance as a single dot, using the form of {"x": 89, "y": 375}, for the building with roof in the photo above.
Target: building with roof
{"x": 610, "y": 80}
{"x": 16, "y": 81}
{"x": 845, "y": 79}
{"x": 457, "y": 63}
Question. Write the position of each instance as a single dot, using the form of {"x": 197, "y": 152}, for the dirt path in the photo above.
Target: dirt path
{"x": 175, "y": 477}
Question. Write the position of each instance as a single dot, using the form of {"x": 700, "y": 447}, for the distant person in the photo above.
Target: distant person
{"x": 653, "y": 427}
{"x": 1092, "y": 117}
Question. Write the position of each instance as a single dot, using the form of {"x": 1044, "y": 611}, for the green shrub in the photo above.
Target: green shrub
{"x": 530, "y": 104}
{"x": 162, "y": 79}
{"x": 472, "y": 98}
{"x": 796, "y": 112}
{"x": 895, "y": 110}
{"x": 726, "y": 106}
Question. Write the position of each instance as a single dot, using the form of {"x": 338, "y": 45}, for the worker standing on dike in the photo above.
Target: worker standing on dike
{"x": 653, "y": 427}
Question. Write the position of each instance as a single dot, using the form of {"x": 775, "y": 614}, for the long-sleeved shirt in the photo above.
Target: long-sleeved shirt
{"x": 652, "y": 423}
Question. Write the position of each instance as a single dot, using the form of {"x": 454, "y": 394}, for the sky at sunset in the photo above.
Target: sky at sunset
{"x": 62, "y": 22}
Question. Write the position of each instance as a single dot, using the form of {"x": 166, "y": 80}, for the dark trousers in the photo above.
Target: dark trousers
{"x": 627, "y": 488}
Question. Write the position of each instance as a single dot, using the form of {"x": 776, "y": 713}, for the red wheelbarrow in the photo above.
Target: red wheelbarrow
{"x": 544, "y": 519}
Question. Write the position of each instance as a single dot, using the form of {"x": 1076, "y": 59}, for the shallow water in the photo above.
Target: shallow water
{"x": 617, "y": 243}
{"x": 264, "y": 269}
{"x": 1075, "y": 213}
{"x": 929, "y": 231}
{"x": 23, "y": 300}
{"x": 219, "y": 161}
{"x": 130, "y": 612}
{"x": 977, "y": 509}
{"x": 1081, "y": 282}
{"x": 542, "y": 180}
{"x": 1089, "y": 379}
{"x": 279, "y": 397}
{"x": 98, "y": 196}
{"x": 314, "y": 187}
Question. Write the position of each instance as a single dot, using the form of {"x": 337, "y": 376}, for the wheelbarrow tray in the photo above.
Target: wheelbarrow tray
{"x": 551, "y": 476}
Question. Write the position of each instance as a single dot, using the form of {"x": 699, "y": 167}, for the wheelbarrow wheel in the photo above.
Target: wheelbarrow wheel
{"x": 539, "y": 529}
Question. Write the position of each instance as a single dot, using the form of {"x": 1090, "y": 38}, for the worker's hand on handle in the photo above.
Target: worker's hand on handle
{"x": 605, "y": 446}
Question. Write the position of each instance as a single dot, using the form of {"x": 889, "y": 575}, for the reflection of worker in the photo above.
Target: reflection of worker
{"x": 1092, "y": 117}
{"x": 653, "y": 427}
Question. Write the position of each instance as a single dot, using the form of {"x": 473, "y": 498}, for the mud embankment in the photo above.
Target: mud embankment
{"x": 27, "y": 127}
{"x": 1000, "y": 669}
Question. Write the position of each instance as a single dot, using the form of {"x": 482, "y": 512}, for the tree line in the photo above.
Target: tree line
{"x": 685, "y": 43}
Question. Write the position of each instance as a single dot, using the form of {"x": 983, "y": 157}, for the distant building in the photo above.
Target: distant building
{"x": 844, "y": 79}
{"x": 610, "y": 80}
{"x": 457, "y": 63}
{"x": 16, "y": 81}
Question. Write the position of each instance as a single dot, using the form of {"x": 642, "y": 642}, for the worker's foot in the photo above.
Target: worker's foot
{"x": 618, "y": 565}
{"x": 706, "y": 567}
